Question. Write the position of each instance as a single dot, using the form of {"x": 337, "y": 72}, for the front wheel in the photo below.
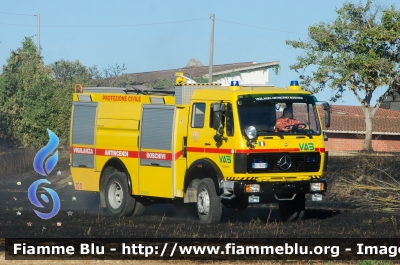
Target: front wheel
{"x": 118, "y": 199}
{"x": 209, "y": 206}
{"x": 293, "y": 210}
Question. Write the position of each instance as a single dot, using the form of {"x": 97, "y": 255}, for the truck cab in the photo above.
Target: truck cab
{"x": 234, "y": 131}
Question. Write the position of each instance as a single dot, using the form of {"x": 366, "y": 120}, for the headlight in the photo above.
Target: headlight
{"x": 251, "y": 132}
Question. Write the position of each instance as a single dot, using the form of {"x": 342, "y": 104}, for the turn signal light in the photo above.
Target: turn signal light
{"x": 317, "y": 186}
{"x": 252, "y": 188}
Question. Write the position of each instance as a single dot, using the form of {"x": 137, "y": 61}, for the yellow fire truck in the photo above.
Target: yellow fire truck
{"x": 200, "y": 145}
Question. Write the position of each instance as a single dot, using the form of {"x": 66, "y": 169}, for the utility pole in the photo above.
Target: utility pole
{"x": 211, "y": 49}
{"x": 38, "y": 34}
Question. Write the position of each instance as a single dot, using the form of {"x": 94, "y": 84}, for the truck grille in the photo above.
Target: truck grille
{"x": 299, "y": 162}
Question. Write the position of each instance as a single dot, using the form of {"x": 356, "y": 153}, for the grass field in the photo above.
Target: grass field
{"x": 361, "y": 202}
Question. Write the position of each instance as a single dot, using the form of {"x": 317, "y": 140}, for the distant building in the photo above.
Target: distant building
{"x": 347, "y": 130}
{"x": 245, "y": 73}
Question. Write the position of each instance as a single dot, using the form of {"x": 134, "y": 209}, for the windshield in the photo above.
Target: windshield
{"x": 283, "y": 115}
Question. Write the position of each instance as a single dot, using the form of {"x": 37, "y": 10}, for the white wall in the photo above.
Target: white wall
{"x": 254, "y": 78}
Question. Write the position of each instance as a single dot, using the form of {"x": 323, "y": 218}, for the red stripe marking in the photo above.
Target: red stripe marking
{"x": 218, "y": 151}
{"x": 178, "y": 154}
{"x": 209, "y": 150}
{"x": 246, "y": 151}
{"x": 122, "y": 153}
{"x": 82, "y": 150}
{"x": 117, "y": 153}
{"x": 156, "y": 155}
{"x": 195, "y": 149}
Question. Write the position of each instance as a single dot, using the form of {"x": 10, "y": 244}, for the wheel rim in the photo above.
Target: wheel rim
{"x": 115, "y": 195}
{"x": 203, "y": 202}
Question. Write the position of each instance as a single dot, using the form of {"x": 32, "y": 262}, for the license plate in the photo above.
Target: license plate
{"x": 260, "y": 165}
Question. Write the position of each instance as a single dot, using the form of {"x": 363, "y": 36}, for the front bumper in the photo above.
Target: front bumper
{"x": 232, "y": 189}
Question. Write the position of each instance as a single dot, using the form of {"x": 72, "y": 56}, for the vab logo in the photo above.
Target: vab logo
{"x": 44, "y": 168}
{"x": 306, "y": 147}
{"x": 225, "y": 159}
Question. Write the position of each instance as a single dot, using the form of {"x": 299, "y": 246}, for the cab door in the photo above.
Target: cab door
{"x": 156, "y": 151}
{"x": 219, "y": 151}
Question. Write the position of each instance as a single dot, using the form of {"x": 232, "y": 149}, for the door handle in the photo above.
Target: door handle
{"x": 207, "y": 143}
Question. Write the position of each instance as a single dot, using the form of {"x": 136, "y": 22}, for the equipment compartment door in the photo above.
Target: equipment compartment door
{"x": 156, "y": 142}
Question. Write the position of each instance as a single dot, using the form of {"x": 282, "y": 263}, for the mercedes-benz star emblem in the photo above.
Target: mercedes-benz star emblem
{"x": 285, "y": 162}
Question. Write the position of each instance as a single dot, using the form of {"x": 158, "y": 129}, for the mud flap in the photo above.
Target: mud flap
{"x": 190, "y": 195}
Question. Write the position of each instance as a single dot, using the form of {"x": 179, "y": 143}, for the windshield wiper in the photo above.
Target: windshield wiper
{"x": 306, "y": 132}
{"x": 268, "y": 131}
{"x": 280, "y": 135}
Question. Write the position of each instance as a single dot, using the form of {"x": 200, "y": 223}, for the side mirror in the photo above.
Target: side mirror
{"x": 327, "y": 119}
{"x": 327, "y": 109}
{"x": 326, "y": 106}
{"x": 216, "y": 120}
{"x": 217, "y": 138}
{"x": 218, "y": 107}
{"x": 325, "y": 136}
{"x": 229, "y": 122}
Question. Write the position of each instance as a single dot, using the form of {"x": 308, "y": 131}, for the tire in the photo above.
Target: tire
{"x": 209, "y": 206}
{"x": 293, "y": 210}
{"x": 119, "y": 201}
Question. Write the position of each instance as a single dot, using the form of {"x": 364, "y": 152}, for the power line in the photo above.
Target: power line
{"x": 110, "y": 26}
{"x": 17, "y": 14}
{"x": 146, "y": 24}
{"x": 47, "y": 55}
{"x": 252, "y": 26}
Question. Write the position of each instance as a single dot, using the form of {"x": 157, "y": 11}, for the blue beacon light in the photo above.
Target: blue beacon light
{"x": 234, "y": 83}
{"x": 294, "y": 83}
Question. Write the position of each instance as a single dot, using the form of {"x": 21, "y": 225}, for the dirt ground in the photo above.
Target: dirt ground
{"x": 341, "y": 214}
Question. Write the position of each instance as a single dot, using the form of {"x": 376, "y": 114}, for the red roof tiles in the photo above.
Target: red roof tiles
{"x": 352, "y": 119}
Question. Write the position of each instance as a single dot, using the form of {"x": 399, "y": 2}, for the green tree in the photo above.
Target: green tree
{"x": 69, "y": 73}
{"x": 28, "y": 101}
{"x": 66, "y": 74}
{"x": 112, "y": 76}
{"x": 359, "y": 52}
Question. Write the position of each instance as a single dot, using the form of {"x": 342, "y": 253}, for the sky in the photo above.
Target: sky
{"x": 152, "y": 35}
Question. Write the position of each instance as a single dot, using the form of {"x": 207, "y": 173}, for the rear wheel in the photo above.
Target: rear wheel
{"x": 293, "y": 210}
{"x": 119, "y": 201}
{"x": 209, "y": 206}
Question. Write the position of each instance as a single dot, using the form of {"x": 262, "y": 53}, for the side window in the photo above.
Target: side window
{"x": 198, "y": 113}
